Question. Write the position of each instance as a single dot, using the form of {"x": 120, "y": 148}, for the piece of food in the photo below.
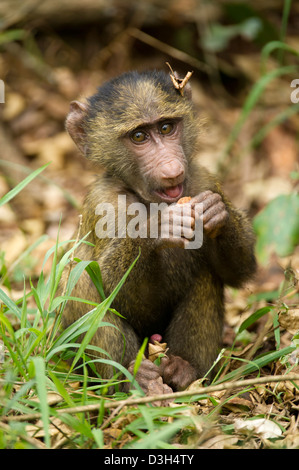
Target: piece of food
{"x": 184, "y": 200}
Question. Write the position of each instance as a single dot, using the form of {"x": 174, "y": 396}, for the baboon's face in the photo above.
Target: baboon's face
{"x": 157, "y": 148}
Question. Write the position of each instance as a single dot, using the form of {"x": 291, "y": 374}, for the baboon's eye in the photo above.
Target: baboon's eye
{"x": 138, "y": 136}
{"x": 166, "y": 128}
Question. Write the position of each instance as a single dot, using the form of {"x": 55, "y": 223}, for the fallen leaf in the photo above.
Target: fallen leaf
{"x": 155, "y": 350}
{"x": 263, "y": 427}
{"x": 238, "y": 405}
{"x": 115, "y": 433}
{"x": 289, "y": 320}
{"x": 218, "y": 440}
{"x": 14, "y": 105}
{"x": 14, "y": 246}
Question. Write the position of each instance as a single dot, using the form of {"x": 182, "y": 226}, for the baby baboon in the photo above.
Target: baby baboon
{"x": 142, "y": 131}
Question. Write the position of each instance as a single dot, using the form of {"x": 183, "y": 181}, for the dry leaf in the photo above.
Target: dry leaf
{"x": 52, "y": 149}
{"x": 155, "y": 349}
{"x": 263, "y": 427}
{"x": 223, "y": 441}
{"x": 37, "y": 430}
{"x": 238, "y": 405}
{"x": 290, "y": 320}
{"x": 7, "y": 215}
{"x": 112, "y": 432}
{"x": 52, "y": 398}
{"x": 14, "y": 105}
{"x": 14, "y": 246}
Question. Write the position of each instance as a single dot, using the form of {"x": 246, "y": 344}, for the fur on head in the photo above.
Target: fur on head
{"x": 122, "y": 105}
{"x": 132, "y": 99}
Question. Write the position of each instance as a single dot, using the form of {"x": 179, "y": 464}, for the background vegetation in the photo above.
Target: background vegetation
{"x": 245, "y": 57}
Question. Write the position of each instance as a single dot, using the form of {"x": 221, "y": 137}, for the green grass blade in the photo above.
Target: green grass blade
{"x": 264, "y": 131}
{"x": 24, "y": 309}
{"x": 95, "y": 274}
{"x": 140, "y": 356}
{"x": 36, "y": 342}
{"x": 12, "y": 403}
{"x": 48, "y": 181}
{"x": 11, "y": 194}
{"x": 272, "y": 46}
{"x": 158, "y": 438}
{"x": 98, "y": 314}
{"x": 257, "y": 364}
{"x": 284, "y": 23}
{"x": 61, "y": 266}
{"x": 61, "y": 389}
{"x": 98, "y": 437}
{"x": 254, "y": 317}
{"x": 12, "y": 35}
{"x": 40, "y": 377}
{"x": 53, "y": 282}
{"x": 76, "y": 273}
{"x": 276, "y": 326}
{"x": 10, "y": 304}
{"x": 251, "y": 101}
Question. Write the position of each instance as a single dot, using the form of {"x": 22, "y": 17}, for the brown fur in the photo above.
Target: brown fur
{"x": 174, "y": 292}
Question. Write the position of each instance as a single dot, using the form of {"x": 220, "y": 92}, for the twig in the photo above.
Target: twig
{"x": 201, "y": 390}
{"x": 142, "y": 400}
{"x": 260, "y": 339}
{"x": 114, "y": 413}
{"x": 179, "y": 83}
{"x": 169, "y": 50}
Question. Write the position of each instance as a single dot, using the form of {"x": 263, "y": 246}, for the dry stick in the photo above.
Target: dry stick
{"x": 169, "y": 50}
{"x": 115, "y": 412}
{"x": 166, "y": 396}
{"x": 179, "y": 83}
{"x": 260, "y": 339}
{"x": 199, "y": 391}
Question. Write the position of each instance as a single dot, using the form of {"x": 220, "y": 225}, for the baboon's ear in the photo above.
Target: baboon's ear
{"x": 75, "y": 124}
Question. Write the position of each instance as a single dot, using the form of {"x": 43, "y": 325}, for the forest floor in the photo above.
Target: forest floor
{"x": 41, "y": 79}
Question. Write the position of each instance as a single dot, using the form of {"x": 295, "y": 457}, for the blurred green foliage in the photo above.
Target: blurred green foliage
{"x": 218, "y": 36}
{"x": 277, "y": 227}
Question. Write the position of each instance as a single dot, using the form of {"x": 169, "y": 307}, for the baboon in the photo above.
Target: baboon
{"x": 143, "y": 132}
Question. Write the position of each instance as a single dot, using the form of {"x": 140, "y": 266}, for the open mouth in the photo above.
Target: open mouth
{"x": 171, "y": 194}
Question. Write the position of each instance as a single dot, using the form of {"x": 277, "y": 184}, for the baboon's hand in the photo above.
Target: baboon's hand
{"x": 214, "y": 213}
{"x": 148, "y": 377}
{"x": 177, "y": 372}
{"x": 177, "y": 225}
